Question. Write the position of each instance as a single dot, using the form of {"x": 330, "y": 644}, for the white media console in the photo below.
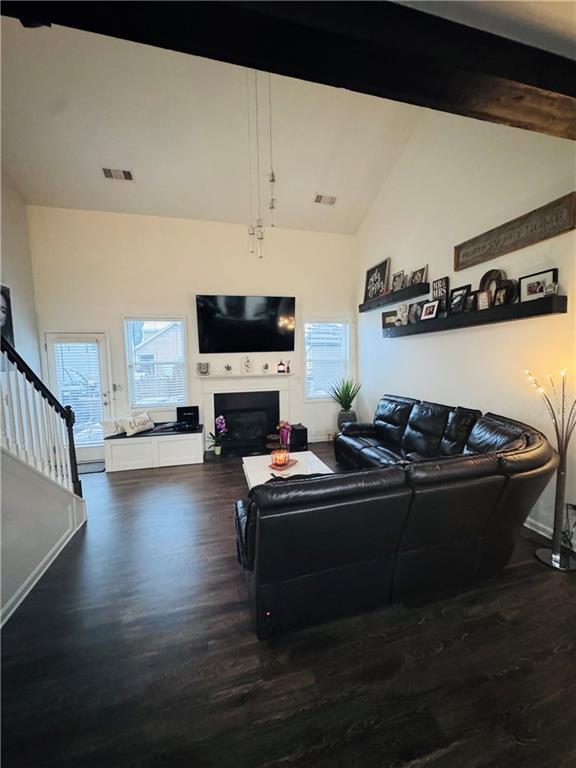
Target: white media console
{"x": 153, "y": 450}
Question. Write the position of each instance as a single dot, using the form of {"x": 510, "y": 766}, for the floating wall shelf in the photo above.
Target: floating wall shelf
{"x": 549, "y": 305}
{"x": 398, "y": 297}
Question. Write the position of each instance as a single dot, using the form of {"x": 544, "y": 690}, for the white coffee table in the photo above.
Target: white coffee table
{"x": 257, "y": 468}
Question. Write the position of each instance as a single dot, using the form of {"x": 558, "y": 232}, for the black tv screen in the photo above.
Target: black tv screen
{"x": 245, "y": 323}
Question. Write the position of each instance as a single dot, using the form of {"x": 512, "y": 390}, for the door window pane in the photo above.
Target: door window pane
{"x": 79, "y": 386}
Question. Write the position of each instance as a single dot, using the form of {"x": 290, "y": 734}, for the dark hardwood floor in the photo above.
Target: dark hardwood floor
{"x": 136, "y": 649}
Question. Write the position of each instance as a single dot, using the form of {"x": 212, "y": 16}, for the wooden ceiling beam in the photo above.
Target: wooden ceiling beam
{"x": 377, "y": 48}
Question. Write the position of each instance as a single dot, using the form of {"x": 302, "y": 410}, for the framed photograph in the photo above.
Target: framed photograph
{"x": 6, "y": 322}
{"x": 470, "y": 305}
{"x": 483, "y": 300}
{"x": 377, "y": 281}
{"x": 534, "y": 286}
{"x": 458, "y": 298}
{"x": 440, "y": 292}
{"x": 500, "y": 297}
{"x": 419, "y": 276}
{"x": 402, "y": 314}
{"x": 388, "y": 318}
{"x": 414, "y": 312}
{"x": 397, "y": 280}
{"x": 430, "y": 310}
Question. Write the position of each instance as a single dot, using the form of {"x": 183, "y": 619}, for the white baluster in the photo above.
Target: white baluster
{"x": 59, "y": 444}
{"x": 15, "y": 423}
{"x": 25, "y": 390}
{"x": 36, "y": 427}
{"x": 4, "y": 401}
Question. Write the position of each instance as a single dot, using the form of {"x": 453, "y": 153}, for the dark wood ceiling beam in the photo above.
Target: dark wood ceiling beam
{"x": 378, "y": 48}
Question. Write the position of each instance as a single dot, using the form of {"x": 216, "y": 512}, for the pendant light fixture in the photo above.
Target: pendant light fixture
{"x": 255, "y": 162}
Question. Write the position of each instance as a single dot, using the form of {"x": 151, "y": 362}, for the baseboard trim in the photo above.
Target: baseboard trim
{"x": 28, "y": 585}
{"x": 537, "y": 527}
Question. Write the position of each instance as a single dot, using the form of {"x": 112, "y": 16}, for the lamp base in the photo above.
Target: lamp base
{"x": 566, "y": 561}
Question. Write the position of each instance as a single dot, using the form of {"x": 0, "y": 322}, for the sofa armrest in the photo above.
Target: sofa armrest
{"x": 244, "y": 531}
{"x": 357, "y": 428}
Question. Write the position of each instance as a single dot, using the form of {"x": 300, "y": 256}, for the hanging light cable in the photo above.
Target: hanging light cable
{"x": 251, "y": 228}
{"x": 272, "y": 173}
{"x": 259, "y": 224}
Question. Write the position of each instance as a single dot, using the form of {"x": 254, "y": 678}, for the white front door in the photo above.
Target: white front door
{"x": 78, "y": 374}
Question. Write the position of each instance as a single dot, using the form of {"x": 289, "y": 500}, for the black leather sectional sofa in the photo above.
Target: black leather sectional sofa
{"x": 436, "y": 498}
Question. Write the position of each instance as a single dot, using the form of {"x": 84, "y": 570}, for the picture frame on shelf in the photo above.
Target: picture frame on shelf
{"x": 388, "y": 318}
{"x": 419, "y": 275}
{"x": 500, "y": 297}
{"x": 430, "y": 310}
{"x": 533, "y": 287}
{"x": 397, "y": 281}
{"x": 402, "y": 314}
{"x": 415, "y": 312}
{"x": 377, "y": 281}
{"x": 440, "y": 291}
{"x": 458, "y": 298}
{"x": 470, "y": 305}
{"x": 483, "y": 300}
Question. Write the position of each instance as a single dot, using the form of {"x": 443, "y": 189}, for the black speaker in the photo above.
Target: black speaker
{"x": 189, "y": 415}
{"x": 298, "y": 438}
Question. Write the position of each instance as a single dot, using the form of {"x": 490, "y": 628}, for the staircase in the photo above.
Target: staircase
{"x": 42, "y": 505}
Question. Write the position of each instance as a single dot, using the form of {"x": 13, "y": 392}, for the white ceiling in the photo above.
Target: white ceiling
{"x": 74, "y": 102}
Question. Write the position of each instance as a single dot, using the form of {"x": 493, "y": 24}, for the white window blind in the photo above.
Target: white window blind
{"x": 156, "y": 362}
{"x": 326, "y": 346}
{"x": 79, "y": 385}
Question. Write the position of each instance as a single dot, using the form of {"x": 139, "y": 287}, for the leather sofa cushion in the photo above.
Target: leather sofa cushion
{"x": 358, "y": 429}
{"x": 392, "y": 416}
{"x": 328, "y": 488}
{"x": 537, "y": 453}
{"x": 453, "y": 468}
{"x": 425, "y": 428}
{"x": 378, "y": 456}
{"x": 490, "y": 435}
{"x": 245, "y": 521}
{"x": 458, "y": 428}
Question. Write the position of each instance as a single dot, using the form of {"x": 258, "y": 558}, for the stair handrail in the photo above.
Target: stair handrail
{"x": 64, "y": 411}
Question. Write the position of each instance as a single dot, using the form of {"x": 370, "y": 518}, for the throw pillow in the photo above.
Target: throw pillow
{"x": 140, "y": 422}
{"x": 113, "y": 427}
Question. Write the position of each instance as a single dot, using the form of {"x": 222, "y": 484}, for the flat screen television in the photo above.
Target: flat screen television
{"x": 245, "y": 323}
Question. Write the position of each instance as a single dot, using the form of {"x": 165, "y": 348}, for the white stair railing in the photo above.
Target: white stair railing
{"x": 35, "y": 427}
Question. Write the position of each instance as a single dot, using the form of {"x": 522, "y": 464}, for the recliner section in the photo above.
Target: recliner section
{"x": 436, "y": 499}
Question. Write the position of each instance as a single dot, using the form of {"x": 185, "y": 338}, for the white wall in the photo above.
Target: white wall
{"x": 455, "y": 179}
{"x": 17, "y": 273}
{"x": 39, "y": 518}
{"x": 92, "y": 268}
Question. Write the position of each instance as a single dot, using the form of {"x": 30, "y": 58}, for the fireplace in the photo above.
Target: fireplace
{"x": 250, "y": 416}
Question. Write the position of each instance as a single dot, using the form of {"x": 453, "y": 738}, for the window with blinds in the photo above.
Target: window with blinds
{"x": 326, "y": 349}
{"x": 156, "y": 362}
{"x": 77, "y": 366}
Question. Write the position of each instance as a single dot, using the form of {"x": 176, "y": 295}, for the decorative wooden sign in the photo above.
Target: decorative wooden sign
{"x": 548, "y": 221}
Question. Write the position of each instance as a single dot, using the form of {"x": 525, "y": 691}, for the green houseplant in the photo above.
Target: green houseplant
{"x": 344, "y": 393}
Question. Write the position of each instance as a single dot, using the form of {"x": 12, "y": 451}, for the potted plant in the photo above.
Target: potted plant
{"x": 344, "y": 393}
{"x": 217, "y": 437}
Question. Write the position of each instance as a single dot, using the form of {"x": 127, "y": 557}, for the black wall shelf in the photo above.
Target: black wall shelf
{"x": 398, "y": 297}
{"x": 549, "y": 305}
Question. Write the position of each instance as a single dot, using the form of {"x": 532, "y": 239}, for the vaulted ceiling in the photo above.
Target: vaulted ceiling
{"x": 75, "y": 102}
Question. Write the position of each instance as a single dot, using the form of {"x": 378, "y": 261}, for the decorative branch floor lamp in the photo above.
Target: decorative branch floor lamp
{"x": 564, "y": 420}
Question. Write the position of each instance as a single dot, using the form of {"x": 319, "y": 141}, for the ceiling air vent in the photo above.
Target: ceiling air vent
{"x": 325, "y": 199}
{"x": 117, "y": 173}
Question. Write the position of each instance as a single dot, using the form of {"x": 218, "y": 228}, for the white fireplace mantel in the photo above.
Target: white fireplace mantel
{"x": 213, "y": 385}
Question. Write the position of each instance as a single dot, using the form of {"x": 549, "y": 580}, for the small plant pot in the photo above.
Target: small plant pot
{"x": 345, "y": 416}
{"x": 217, "y": 450}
